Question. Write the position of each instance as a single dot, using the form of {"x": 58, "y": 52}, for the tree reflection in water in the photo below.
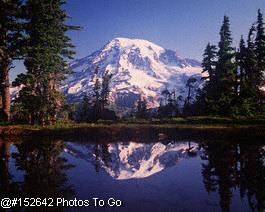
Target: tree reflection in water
{"x": 252, "y": 175}
{"x": 228, "y": 169}
{"x": 7, "y": 187}
{"x": 101, "y": 152}
{"x": 43, "y": 169}
{"x": 235, "y": 166}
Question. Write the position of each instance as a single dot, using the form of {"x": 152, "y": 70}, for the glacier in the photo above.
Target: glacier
{"x": 131, "y": 160}
{"x": 140, "y": 68}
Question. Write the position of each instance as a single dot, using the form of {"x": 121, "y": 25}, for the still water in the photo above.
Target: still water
{"x": 154, "y": 176}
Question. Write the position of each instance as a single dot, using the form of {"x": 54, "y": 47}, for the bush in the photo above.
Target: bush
{"x": 246, "y": 108}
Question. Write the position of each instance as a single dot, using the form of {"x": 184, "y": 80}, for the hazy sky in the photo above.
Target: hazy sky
{"x": 182, "y": 25}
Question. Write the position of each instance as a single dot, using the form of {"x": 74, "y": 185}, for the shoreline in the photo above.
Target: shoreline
{"x": 120, "y": 132}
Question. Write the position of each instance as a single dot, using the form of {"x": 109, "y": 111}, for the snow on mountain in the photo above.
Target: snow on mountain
{"x": 133, "y": 160}
{"x": 139, "y": 68}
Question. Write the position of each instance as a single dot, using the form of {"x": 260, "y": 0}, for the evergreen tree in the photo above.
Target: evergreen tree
{"x": 141, "y": 108}
{"x": 96, "y": 96}
{"x": 190, "y": 84}
{"x": 48, "y": 48}
{"x": 245, "y": 102}
{"x": 44, "y": 169}
{"x": 10, "y": 48}
{"x": 226, "y": 71}
{"x": 166, "y": 95}
{"x": 241, "y": 58}
{"x": 250, "y": 66}
{"x": 235, "y": 79}
{"x": 100, "y": 95}
{"x": 168, "y": 106}
{"x": 221, "y": 86}
{"x": 209, "y": 62}
{"x": 105, "y": 90}
{"x": 260, "y": 53}
{"x": 207, "y": 95}
{"x": 85, "y": 110}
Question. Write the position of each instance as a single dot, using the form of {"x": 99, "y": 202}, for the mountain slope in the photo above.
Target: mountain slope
{"x": 139, "y": 67}
{"x": 133, "y": 160}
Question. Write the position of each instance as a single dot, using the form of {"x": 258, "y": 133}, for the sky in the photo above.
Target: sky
{"x": 185, "y": 26}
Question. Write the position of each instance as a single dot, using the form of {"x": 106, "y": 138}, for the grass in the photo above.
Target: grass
{"x": 200, "y": 120}
{"x": 180, "y": 122}
{"x": 187, "y": 128}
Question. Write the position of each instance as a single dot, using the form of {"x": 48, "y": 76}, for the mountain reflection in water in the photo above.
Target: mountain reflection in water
{"x": 133, "y": 160}
{"x": 204, "y": 176}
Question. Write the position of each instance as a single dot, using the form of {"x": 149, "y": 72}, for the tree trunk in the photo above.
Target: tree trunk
{"x": 1, "y": 98}
{"x": 6, "y": 102}
{"x": 4, "y": 149}
{"x": 32, "y": 119}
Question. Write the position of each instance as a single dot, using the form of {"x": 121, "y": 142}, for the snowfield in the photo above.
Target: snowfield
{"x": 139, "y": 68}
{"x": 131, "y": 160}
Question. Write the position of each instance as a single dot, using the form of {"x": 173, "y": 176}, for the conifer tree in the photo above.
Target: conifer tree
{"x": 85, "y": 110}
{"x": 221, "y": 87}
{"x": 188, "y": 105}
{"x": 48, "y": 48}
{"x": 226, "y": 70}
{"x": 105, "y": 90}
{"x": 141, "y": 108}
{"x": 169, "y": 104}
{"x": 250, "y": 67}
{"x": 246, "y": 63}
{"x": 209, "y": 61}
{"x": 234, "y": 83}
{"x": 207, "y": 95}
{"x": 100, "y": 94}
{"x": 10, "y": 48}
{"x": 241, "y": 58}
{"x": 165, "y": 94}
{"x": 209, "y": 66}
{"x": 96, "y": 95}
{"x": 190, "y": 85}
{"x": 260, "y": 53}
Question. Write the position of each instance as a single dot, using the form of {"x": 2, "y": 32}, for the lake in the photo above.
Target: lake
{"x": 159, "y": 175}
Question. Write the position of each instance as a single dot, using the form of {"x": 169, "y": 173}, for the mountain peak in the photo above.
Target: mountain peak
{"x": 139, "y": 68}
{"x": 133, "y": 42}
{"x": 135, "y": 160}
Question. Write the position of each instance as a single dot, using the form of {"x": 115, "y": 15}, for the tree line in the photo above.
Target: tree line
{"x": 35, "y": 31}
{"x": 233, "y": 78}
{"x": 94, "y": 106}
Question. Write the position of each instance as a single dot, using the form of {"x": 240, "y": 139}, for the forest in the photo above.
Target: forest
{"x": 36, "y": 32}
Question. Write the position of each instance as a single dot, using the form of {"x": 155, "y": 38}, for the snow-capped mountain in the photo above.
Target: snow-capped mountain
{"x": 139, "y": 68}
{"x": 133, "y": 160}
